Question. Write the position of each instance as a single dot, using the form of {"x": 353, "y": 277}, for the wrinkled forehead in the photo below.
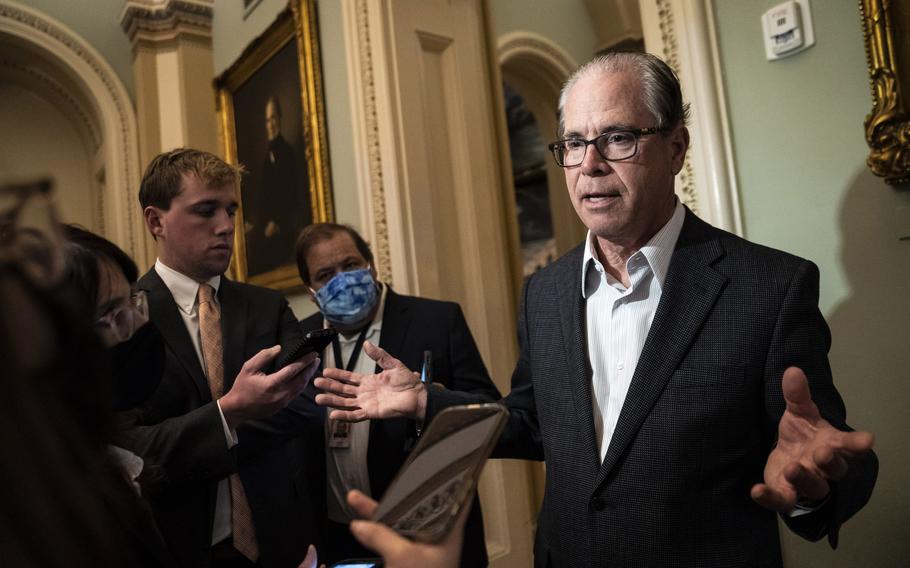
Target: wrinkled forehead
{"x": 604, "y": 99}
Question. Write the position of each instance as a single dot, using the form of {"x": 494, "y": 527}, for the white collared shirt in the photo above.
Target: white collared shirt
{"x": 618, "y": 319}
{"x": 346, "y": 468}
{"x": 185, "y": 291}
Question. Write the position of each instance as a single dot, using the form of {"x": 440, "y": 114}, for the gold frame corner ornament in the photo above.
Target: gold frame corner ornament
{"x": 888, "y": 124}
{"x": 298, "y": 24}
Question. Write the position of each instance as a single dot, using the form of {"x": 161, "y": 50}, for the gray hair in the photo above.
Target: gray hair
{"x": 662, "y": 93}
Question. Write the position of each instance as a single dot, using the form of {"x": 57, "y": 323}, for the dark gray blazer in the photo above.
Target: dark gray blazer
{"x": 699, "y": 419}
{"x": 181, "y": 431}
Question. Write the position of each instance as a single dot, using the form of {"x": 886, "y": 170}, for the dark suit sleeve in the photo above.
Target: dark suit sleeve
{"x": 802, "y": 339}
{"x": 302, "y": 415}
{"x": 188, "y": 448}
{"x": 193, "y": 446}
{"x": 521, "y": 436}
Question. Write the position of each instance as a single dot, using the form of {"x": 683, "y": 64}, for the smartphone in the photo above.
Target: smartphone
{"x": 440, "y": 475}
{"x": 315, "y": 340}
{"x": 359, "y": 563}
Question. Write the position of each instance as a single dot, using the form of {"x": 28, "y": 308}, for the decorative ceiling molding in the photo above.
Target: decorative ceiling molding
{"x": 156, "y": 21}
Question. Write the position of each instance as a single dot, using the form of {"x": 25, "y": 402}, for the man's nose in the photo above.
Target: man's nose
{"x": 225, "y": 223}
{"x": 594, "y": 164}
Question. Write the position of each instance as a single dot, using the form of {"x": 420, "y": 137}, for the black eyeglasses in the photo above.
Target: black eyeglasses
{"x": 613, "y": 146}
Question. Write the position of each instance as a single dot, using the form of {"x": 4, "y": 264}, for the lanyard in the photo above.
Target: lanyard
{"x": 355, "y": 354}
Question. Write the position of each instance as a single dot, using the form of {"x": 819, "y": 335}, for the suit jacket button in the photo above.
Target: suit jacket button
{"x": 598, "y": 503}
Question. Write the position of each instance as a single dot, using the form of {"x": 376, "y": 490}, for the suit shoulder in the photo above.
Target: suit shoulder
{"x": 312, "y": 321}
{"x": 742, "y": 250}
{"x": 568, "y": 264}
{"x": 422, "y": 304}
{"x": 256, "y": 293}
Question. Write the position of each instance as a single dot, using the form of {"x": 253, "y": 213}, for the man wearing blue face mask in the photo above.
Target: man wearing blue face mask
{"x": 336, "y": 265}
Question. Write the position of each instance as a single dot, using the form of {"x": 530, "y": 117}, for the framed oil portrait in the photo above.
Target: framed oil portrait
{"x": 886, "y": 31}
{"x": 272, "y": 122}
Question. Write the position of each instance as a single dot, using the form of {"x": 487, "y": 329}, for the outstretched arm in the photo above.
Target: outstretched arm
{"x": 812, "y": 450}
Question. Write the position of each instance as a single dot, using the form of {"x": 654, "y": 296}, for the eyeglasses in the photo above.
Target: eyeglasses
{"x": 613, "y": 146}
{"x": 29, "y": 233}
{"x": 120, "y": 322}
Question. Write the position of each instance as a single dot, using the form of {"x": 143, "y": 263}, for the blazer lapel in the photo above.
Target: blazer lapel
{"x": 578, "y": 374}
{"x": 163, "y": 311}
{"x": 395, "y": 324}
{"x": 234, "y": 310}
{"x": 689, "y": 292}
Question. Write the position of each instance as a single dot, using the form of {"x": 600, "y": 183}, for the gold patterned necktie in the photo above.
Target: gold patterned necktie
{"x": 244, "y": 535}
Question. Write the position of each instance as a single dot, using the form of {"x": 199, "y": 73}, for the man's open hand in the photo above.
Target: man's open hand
{"x": 809, "y": 452}
{"x": 394, "y": 392}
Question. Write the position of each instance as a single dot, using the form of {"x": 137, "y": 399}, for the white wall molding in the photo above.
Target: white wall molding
{"x": 366, "y": 155}
{"x": 682, "y": 32}
{"x": 555, "y": 63}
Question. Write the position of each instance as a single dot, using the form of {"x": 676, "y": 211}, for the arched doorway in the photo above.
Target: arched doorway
{"x": 73, "y": 120}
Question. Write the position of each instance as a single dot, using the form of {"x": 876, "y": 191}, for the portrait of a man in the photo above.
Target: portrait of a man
{"x": 275, "y": 192}
{"x": 273, "y": 124}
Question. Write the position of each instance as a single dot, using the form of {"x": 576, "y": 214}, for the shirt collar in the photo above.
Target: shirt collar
{"x": 183, "y": 288}
{"x": 657, "y": 251}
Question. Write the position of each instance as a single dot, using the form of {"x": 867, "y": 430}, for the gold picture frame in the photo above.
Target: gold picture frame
{"x": 274, "y": 124}
{"x": 886, "y": 32}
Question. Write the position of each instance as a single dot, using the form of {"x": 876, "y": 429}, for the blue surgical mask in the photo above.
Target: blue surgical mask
{"x": 348, "y": 298}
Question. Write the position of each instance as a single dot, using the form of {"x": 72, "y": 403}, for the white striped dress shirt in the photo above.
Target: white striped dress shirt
{"x": 617, "y": 320}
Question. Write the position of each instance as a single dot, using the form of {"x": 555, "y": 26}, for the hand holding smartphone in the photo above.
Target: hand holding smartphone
{"x": 314, "y": 341}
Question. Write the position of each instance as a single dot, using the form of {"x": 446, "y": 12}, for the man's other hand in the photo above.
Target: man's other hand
{"x": 258, "y": 395}
{"x": 394, "y": 392}
{"x": 809, "y": 452}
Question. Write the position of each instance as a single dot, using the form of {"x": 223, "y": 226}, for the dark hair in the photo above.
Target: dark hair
{"x": 660, "y": 85}
{"x": 319, "y": 232}
{"x": 84, "y": 251}
{"x": 162, "y": 180}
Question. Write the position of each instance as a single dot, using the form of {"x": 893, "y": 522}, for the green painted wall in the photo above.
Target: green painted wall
{"x": 800, "y": 154}
{"x": 98, "y": 26}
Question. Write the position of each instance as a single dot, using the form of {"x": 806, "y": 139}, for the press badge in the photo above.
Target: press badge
{"x": 340, "y": 436}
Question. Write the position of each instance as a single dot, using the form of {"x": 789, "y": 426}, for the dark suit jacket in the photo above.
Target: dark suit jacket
{"x": 699, "y": 419}
{"x": 182, "y": 432}
{"x": 411, "y": 325}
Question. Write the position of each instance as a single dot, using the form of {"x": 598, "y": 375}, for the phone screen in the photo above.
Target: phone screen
{"x": 357, "y": 564}
{"x": 441, "y": 473}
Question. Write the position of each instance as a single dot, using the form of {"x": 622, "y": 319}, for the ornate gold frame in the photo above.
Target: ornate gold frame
{"x": 299, "y": 24}
{"x": 886, "y": 25}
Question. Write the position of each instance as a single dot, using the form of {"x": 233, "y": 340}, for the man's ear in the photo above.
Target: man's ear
{"x": 679, "y": 144}
{"x": 153, "y": 221}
